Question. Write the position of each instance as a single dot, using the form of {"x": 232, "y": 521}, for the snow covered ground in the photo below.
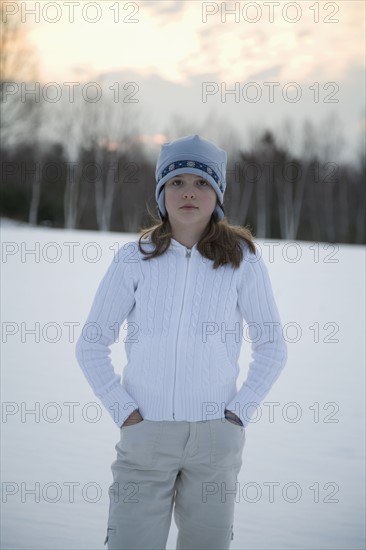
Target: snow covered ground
{"x": 302, "y": 482}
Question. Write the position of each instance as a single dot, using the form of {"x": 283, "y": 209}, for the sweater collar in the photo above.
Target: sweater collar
{"x": 178, "y": 246}
{"x": 175, "y": 245}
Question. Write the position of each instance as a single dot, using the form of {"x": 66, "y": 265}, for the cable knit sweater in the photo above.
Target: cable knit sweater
{"x": 183, "y": 335}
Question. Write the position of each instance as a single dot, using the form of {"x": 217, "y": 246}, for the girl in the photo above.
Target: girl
{"x": 184, "y": 287}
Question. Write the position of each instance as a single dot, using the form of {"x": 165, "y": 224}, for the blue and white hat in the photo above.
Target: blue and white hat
{"x": 191, "y": 155}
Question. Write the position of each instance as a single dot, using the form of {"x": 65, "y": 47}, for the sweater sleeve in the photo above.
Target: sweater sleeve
{"x": 263, "y": 328}
{"x": 114, "y": 300}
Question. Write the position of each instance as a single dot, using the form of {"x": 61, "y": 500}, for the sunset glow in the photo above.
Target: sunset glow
{"x": 176, "y": 44}
{"x": 258, "y": 62}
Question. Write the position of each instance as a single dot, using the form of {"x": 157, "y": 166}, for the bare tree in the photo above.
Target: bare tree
{"x": 241, "y": 194}
{"x": 103, "y": 129}
{"x": 20, "y": 112}
{"x": 360, "y": 218}
{"x": 18, "y": 68}
{"x": 293, "y": 192}
{"x": 64, "y": 120}
{"x": 110, "y": 131}
{"x": 276, "y": 174}
{"x": 36, "y": 180}
{"x": 320, "y": 148}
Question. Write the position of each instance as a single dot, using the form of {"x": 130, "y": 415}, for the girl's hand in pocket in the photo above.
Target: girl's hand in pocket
{"x": 134, "y": 418}
{"x": 231, "y": 414}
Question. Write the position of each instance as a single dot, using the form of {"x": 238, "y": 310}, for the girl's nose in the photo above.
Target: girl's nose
{"x": 188, "y": 193}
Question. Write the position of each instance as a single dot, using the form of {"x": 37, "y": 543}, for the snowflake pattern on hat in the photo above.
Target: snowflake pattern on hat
{"x": 192, "y": 164}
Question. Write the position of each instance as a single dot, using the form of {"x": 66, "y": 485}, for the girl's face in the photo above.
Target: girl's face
{"x": 193, "y": 190}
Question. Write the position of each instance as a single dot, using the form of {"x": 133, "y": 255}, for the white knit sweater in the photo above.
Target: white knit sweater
{"x": 183, "y": 335}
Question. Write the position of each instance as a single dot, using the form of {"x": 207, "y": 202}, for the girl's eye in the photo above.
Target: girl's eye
{"x": 202, "y": 183}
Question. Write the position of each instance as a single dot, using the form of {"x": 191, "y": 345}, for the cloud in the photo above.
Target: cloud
{"x": 163, "y": 9}
{"x": 300, "y": 51}
{"x": 171, "y": 40}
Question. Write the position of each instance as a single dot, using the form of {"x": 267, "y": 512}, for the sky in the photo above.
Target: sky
{"x": 186, "y": 57}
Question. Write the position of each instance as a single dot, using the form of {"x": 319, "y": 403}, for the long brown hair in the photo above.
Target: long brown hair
{"x": 220, "y": 242}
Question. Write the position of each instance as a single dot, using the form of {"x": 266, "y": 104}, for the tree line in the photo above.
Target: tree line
{"x": 104, "y": 187}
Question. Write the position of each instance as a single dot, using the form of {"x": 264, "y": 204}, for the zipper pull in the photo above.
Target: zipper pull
{"x": 188, "y": 252}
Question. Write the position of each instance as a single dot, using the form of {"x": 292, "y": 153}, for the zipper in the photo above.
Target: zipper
{"x": 188, "y": 255}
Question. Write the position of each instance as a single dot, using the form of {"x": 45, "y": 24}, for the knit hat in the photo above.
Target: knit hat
{"x": 191, "y": 155}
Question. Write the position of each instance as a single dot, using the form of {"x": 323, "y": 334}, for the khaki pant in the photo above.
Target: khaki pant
{"x": 191, "y": 465}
